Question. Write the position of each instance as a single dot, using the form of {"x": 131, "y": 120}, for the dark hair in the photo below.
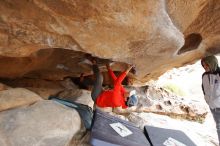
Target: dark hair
{"x": 211, "y": 61}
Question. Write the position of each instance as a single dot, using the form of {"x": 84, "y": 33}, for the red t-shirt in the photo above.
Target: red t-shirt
{"x": 114, "y": 97}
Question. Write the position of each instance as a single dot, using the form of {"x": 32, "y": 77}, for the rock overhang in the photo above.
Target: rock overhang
{"x": 155, "y": 36}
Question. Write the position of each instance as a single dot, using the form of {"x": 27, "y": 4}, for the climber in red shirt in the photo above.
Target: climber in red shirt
{"x": 117, "y": 98}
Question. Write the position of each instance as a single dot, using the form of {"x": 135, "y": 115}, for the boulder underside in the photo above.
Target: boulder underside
{"x": 48, "y": 39}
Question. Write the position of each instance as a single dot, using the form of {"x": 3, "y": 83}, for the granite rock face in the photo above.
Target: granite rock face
{"x": 48, "y": 39}
{"x": 13, "y": 98}
{"x": 44, "y": 123}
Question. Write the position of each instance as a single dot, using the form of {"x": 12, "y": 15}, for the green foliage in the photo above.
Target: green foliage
{"x": 174, "y": 89}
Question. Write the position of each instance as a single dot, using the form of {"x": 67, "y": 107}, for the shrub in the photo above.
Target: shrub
{"x": 174, "y": 89}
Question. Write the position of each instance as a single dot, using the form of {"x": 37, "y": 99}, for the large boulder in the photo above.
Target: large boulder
{"x": 16, "y": 97}
{"x": 158, "y": 100}
{"x": 45, "y": 123}
{"x": 47, "y": 39}
{"x": 148, "y": 33}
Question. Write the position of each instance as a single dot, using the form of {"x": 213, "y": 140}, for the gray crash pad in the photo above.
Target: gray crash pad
{"x": 102, "y": 134}
{"x": 157, "y": 136}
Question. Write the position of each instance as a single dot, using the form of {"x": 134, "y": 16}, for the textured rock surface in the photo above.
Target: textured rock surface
{"x": 4, "y": 87}
{"x": 148, "y": 33}
{"x": 157, "y": 100}
{"x": 44, "y": 88}
{"x": 13, "y": 98}
{"x": 45, "y": 123}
